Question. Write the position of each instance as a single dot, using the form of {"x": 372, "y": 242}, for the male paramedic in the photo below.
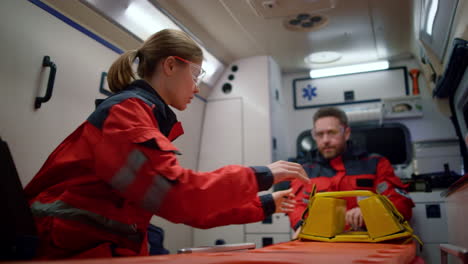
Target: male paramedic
{"x": 337, "y": 166}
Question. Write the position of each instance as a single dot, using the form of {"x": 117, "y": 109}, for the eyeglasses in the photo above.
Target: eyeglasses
{"x": 332, "y": 133}
{"x": 196, "y": 70}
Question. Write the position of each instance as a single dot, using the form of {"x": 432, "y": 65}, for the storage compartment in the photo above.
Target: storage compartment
{"x": 277, "y": 223}
{"x": 263, "y": 240}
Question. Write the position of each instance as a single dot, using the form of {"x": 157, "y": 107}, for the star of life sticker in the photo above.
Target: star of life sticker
{"x": 309, "y": 92}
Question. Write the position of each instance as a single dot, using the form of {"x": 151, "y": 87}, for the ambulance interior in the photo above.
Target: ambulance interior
{"x": 268, "y": 66}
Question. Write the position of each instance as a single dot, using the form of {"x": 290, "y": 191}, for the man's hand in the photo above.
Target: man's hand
{"x": 354, "y": 218}
{"x": 287, "y": 171}
{"x": 296, "y": 233}
{"x": 284, "y": 201}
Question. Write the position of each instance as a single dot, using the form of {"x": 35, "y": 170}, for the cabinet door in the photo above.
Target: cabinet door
{"x": 221, "y": 145}
{"x": 430, "y": 222}
{"x": 277, "y": 223}
{"x": 263, "y": 240}
{"x": 221, "y": 142}
{"x": 28, "y": 34}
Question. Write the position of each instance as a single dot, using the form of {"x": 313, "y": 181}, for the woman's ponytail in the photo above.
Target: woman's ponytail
{"x": 165, "y": 43}
{"x": 121, "y": 73}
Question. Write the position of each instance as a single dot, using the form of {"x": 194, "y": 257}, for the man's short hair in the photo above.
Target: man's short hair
{"x": 333, "y": 112}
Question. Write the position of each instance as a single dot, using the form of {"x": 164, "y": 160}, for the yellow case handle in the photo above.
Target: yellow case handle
{"x": 346, "y": 194}
{"x": 355, "y": 193}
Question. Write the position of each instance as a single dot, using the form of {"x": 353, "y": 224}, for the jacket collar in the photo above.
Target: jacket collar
{"x": 167, "y": 120}
{"x": 152, "y": 95}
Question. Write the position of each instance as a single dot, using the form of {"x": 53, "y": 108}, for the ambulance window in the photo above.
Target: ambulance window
{"x": 389, "y": 140}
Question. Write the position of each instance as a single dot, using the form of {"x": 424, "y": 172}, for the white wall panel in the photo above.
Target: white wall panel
{"x": 221, "y": 141}
{"x": 251, "y": 82}
{"x": 29, "y": 33}
{"x": 189, "y": 142}
{"x": 278, "y": 112}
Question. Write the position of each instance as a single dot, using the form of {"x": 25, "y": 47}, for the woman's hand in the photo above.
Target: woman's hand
{"x": 284, "y": 201}
{"x": 287, "y": 171}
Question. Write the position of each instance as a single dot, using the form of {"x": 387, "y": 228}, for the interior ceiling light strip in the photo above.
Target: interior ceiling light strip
{"x": 357, "y": 68}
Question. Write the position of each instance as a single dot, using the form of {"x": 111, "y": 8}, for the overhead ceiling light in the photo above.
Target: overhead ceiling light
{"x": 365, "y": 67}
{"x": 322, "y": 57}
{"x": 142, "y": 18}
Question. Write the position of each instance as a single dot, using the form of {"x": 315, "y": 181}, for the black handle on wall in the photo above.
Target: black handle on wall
{"x": 46, "y": 62}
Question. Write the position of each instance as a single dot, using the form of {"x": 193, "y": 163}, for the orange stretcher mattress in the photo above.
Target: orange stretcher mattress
{"x": 284, "y": 253}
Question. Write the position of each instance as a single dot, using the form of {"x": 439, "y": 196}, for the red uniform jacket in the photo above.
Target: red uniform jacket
{"x": 352, "y": 170}
{"x": 97, "y": 191}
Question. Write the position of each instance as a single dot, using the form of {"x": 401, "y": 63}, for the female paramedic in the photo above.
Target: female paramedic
{"x": 97, "y": 191}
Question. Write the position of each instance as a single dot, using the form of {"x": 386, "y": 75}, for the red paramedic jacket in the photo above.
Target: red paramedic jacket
{"x": 97, "y": 191}
{"x": 353, "y": 170}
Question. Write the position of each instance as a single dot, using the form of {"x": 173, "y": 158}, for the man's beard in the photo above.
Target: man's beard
{"x": 333, "y": 151}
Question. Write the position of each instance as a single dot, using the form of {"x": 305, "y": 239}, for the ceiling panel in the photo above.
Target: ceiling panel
{"x": 362, "y": 30}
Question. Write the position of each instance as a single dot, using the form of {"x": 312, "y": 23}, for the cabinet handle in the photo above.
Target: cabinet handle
{"x": 102, "y": 90}
{"x": 46, "y": 62}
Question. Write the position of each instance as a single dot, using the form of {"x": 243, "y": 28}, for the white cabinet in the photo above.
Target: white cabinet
{"x": 231, "y": 234}
{"x": 221, "y": 144}
{"x": 430, "y": 223}
{"x": 277, "y": 223}
{"x": 274, "y": 229}
{"x": 237, "y": 129}
{"x": 263, "y": 240}
{"x": 221, "y": 141}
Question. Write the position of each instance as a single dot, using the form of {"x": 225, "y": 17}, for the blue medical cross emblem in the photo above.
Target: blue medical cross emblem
{"x": 309, "y": 92}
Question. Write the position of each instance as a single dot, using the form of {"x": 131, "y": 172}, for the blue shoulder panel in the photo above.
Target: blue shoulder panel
{"x": 99, "y": 116}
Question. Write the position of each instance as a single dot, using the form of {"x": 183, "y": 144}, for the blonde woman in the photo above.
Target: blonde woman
{"x": 97, "y": 191}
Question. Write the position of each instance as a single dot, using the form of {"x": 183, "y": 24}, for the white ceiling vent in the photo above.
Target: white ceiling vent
{"x": 284, "y": 8}
{"x": 305, "y": 22}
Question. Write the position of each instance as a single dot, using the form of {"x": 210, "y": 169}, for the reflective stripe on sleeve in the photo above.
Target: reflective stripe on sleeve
{"x": 156, "y": 193}
{"x": 127, "y": 174}
{"x": 382, "y": 187}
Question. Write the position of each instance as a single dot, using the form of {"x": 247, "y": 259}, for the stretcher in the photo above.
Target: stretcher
{"x": 293, "y": 252}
